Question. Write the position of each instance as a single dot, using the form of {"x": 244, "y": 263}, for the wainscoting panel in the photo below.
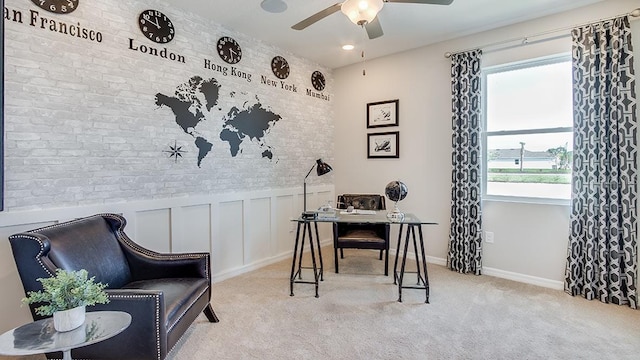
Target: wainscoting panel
{"x": 258, "y": 244}
{"x": 153, "y": 230}
{"x": 228, "y": 246}
{"x": 194, "y": 225}
{"x": 285, "y": 228}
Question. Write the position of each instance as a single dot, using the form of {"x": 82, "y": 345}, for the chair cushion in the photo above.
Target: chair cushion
{"x": 363, "y": 235}
{"x": 179, "y": 294}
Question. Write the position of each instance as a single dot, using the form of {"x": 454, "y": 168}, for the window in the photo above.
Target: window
{"x": 528, "y": 137}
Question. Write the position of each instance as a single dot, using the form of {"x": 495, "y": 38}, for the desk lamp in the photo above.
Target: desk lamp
{"x": 321, "y": 169}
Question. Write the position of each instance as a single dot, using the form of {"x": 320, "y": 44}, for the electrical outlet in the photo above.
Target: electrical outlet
{"x": 488, "y": 237}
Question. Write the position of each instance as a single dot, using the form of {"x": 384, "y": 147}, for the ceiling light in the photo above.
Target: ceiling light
{"x": 361, "y": 12}
{"x": 348, "y": 47}
{"x": 273, "y": 6}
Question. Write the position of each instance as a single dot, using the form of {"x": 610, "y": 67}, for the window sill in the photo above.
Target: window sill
{"x": 527, "y": 200}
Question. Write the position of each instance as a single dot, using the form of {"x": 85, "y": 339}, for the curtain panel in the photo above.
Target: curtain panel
{"x": 602, "y": 251}
{"x": 465, "y": 236}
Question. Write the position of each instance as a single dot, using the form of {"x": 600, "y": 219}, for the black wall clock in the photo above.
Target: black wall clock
{"x": 156, "y": 26}
{"x": 317, "y": 80}
{"x": 57, "y": 6}
{"x": 229, "y": 50}
{"x": 280, "y": 67}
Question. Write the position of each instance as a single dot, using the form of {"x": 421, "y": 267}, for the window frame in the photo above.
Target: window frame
{"x": 524, "y": 64}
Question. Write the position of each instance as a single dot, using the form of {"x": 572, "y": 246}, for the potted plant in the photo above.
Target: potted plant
{"x": 65, "y": 296}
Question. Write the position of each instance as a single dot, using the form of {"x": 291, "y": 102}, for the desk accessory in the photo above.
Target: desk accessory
{"x": 396, "y": 191}
{"x": 321, "y": 169}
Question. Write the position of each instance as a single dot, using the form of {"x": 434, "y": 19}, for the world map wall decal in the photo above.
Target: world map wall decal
{"x": 192, "y": 104}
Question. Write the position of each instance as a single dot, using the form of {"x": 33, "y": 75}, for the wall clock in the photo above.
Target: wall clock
{"x": 317, "y": 80}
{"x": 229, "y": 50}
{"x": 156, "y": 26}
{"x": 280, "y": 67}
{"x": 57, "y": 6}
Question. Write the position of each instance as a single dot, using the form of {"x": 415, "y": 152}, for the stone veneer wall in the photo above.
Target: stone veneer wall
{"x": 82, "y": 126}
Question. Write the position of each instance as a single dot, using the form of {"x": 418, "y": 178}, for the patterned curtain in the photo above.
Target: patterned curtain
{"x": 602, "y": 254}
{"x": 465, "y": 237}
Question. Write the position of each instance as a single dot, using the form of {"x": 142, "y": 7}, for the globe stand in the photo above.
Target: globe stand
{"x": 395, "y": 215}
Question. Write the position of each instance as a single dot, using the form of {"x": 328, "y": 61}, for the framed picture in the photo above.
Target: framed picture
{"x": 383, "y": 145}
{"x": 382, "y": 113}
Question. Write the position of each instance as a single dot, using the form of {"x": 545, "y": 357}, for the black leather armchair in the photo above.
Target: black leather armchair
{"x": 164, "y": 293}
{"x": 361, "y": 235}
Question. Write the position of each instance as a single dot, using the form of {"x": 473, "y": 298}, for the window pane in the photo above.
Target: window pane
{"x": 530, "y": 165}
{"x": 530, "y": 98}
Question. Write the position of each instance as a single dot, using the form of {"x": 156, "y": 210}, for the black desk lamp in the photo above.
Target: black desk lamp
{"x": 321, "y": 169}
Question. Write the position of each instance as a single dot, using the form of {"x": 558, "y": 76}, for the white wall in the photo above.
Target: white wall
{"x": 530, "y": 240}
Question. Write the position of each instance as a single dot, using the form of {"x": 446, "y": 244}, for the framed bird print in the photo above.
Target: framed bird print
{"x": 383, "y": 145}
{"x": 382, "y": 113}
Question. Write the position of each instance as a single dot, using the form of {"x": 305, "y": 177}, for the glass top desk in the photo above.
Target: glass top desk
{"x": 410, "y": 226}
{"x": 40, "y": 337}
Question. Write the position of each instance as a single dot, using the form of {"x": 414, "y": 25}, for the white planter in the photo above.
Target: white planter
{"x": 68, "y": 320}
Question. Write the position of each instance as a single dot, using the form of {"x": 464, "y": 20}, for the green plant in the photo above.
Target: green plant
{"x": 67, "y": 290}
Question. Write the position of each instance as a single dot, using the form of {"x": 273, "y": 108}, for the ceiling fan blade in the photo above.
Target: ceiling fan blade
{"x": 317, "y": 16}
{"x": 374, "y": 29}
{"x": 432, "y": 2}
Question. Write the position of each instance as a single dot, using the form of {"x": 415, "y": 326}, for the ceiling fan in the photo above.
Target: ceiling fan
{"x": 362, "y": 12}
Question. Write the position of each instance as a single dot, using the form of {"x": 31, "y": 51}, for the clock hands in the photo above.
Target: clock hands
{"x": 147, "y": 17}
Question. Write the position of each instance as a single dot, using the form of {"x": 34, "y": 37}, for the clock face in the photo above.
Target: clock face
{"x": 317, "y": 80}
{"x": 229, "y": 50}
{"x": 57, "y": 6}
{"x": 280, "y": 67}
{"x": 156, "y": 26}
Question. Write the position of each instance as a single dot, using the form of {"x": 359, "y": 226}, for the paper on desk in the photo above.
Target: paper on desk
{"x": 358, "y": 212}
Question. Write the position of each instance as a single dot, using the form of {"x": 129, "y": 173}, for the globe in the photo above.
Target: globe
{"x": 396, "y": 191}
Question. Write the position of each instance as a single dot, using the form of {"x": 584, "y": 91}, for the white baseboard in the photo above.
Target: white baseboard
{"x": 527, "y": 279}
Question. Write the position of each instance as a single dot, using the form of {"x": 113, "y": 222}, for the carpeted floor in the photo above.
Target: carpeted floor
{"x": 357, "y": 316}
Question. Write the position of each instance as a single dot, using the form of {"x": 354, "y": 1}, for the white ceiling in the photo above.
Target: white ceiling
{"x": 405, "y": 26}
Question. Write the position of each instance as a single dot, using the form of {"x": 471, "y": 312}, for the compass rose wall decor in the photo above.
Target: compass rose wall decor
{"x": 175, "y": 151}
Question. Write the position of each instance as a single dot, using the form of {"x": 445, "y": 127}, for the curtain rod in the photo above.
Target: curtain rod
{"x": 524, "y": 40}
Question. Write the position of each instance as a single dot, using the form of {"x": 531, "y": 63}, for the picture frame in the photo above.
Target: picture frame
{"x": 383, "y": 145}
{"x": 383, "y": 113}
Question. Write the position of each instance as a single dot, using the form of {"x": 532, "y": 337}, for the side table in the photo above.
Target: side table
{"x": 40, "y": 337}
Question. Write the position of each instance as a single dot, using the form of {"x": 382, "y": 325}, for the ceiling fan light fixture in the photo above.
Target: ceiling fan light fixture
{"x": 361, "y": 12}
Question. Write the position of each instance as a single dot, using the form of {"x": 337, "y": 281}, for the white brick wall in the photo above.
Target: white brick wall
{"x": 82, "y": 127}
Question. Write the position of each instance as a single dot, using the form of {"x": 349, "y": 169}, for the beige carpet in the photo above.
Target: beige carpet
{"x": 358, "y": 317}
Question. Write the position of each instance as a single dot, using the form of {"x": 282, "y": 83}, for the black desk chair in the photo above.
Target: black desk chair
{"x": 361, "y": 235}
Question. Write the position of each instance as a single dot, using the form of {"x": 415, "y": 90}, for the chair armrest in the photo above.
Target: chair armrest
{"x": 144, "y": 337}
{"x": 145, "y": 264}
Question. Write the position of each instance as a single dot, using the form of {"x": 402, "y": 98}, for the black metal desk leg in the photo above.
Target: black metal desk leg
{"x": 304, "y": 238}
{"x": 417, "y": 254}
{"x": 404, "y": 262}
{"x": 395, "y": 263}
{"x": 319, "y": 252}
{"x": 316, "y": 275}
{"x": 424, "y": 264}
{"x": 293, "y": 263}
